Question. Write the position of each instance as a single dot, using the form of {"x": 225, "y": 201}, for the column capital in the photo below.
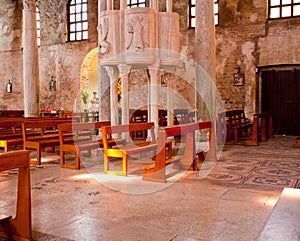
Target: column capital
{"x": 124, "y": 69}
{"x": 29, "y": 5}
{"x": 111, "y": 71}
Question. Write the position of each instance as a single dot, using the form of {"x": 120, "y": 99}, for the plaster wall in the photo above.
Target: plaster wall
{"x": 57, "y": 57}
{"x": 245, "y": 38}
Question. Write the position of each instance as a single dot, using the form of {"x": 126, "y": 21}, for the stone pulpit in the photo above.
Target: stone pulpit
{"x": 137, "y": 37}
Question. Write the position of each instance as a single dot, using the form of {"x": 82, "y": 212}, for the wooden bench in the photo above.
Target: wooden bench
{"x": 19, "y": 227}
{"x": 230, "y": 124}
{"x": 9, "y": 136}
{"x": 131, "y": 149}
{"x": 80, "y": 142}
{"x": 48, "y": 136}
{"x": 11, "y": 133}
{"x": 11, "y": 113}
{"x": 283, "y": 223}
{"x": 156, "y": 172}
{"x": 262, "y": 128}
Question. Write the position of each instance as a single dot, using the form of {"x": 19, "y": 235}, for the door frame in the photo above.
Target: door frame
{"x": 259, "y": 70}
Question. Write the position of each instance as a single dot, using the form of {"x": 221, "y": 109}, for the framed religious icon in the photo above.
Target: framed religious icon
{"x": 238, "y": 78}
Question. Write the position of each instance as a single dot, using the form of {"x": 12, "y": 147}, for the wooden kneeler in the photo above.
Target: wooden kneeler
{"x": 18, "y": 228}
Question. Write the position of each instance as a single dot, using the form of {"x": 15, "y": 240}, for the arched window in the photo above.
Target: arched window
{"x": 192, "y": 13}
{"x": 136, "y": 3}
{"x": 77, "y": 20}
{"x": 283, "y": 8}
{"x": 38, "y": 26}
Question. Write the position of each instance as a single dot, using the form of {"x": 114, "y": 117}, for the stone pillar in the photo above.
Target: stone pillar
{"x": 170, "y": 99}
{"x": 109, "y": 5}
{"x": 124, "y": 72}
{"x": 30, "y": 61}
{"x": 154, "y": 4}
{"x": 113, "y": 76}
{"x": 169, "y": 6}
{"x": 101, "y": 6}
{"x": 123, "y": 4}
{"x": 205, "y": 57}
{"x": 103, "y": 79}
{"x": 153, "y": 92}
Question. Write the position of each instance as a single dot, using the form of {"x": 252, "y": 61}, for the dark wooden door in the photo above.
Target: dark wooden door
{"x": 281, "y": 94}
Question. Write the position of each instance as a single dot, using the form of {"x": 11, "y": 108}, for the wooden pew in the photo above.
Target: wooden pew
{"x": 11, "y": 131}
{"x": 48, "y": 137}
{"x": 11, "y": 113}
{"x": 9, "y": 135}
{"x": 124, "y": 152}
{"x": 230, "y": 124}
{"x": 262, "y": 128}
{"x": 18, "y": 228}
{"x": 156, "y": 172}
{"x": 138, "y": 116}
{"x": 81, "y": 143}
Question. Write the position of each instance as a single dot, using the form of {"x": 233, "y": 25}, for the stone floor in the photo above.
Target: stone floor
{"x": 230, "y": 199}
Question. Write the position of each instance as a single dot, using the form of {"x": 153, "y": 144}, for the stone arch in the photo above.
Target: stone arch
{"x": 89, "y": 78}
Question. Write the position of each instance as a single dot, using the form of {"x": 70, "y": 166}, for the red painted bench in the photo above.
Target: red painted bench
{"x": 230, "y": 126}
{"x": 156, "y": 172}
{"x": 262, "y": 128}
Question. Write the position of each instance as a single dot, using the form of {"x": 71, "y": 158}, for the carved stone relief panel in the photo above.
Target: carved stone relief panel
{"x": 140, "y": 34}
{"x": 110, "y": 37}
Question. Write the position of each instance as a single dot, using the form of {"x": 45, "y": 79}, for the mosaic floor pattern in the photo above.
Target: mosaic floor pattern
{"x": 272, "y": 164}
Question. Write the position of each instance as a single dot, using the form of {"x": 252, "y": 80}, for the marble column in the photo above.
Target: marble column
{"x": 102, "y": 6}
{"x": 123, "y": 4}
{"x": 170, "y": 99}
{"x": 109, "y": 5}
{"x": 124, "y": 72}
{"x": 153, "y": 92}
{"x": 30, "y": 61}
{"x": 154, "y": 4}
{"x": 113, "y": 76}
{"x": 169, "y": 6}
{"x": 205, "y": 57}
{"x": 103, "y": 78}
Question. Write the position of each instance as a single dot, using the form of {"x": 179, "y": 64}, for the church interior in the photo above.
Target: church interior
{"x": 174, "y": 120}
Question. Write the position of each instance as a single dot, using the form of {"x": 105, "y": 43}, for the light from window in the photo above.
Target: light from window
{"x": 192, "y": 13}
{"x": 38, "y": 26}
{"x": 136, "y": 3}
{"x": 78, "y": 20}
{"x": 284, "y": 8}
{"x": 216, "y": 11}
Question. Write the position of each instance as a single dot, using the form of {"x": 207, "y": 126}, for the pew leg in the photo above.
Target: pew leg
{"x": 77, "y": 160}
{"x": 270, "y": 127}
{"x": 62, "y": 158}
{"x": 38, "y": 156}
{"x": 254, "y": 138}
{"x": 124, "y": 165}
{"x": 5, "y": 147}
{"x": 106, "y": 164}
{"x": 235, "y": 132}
{"x": 263, "y": 129}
